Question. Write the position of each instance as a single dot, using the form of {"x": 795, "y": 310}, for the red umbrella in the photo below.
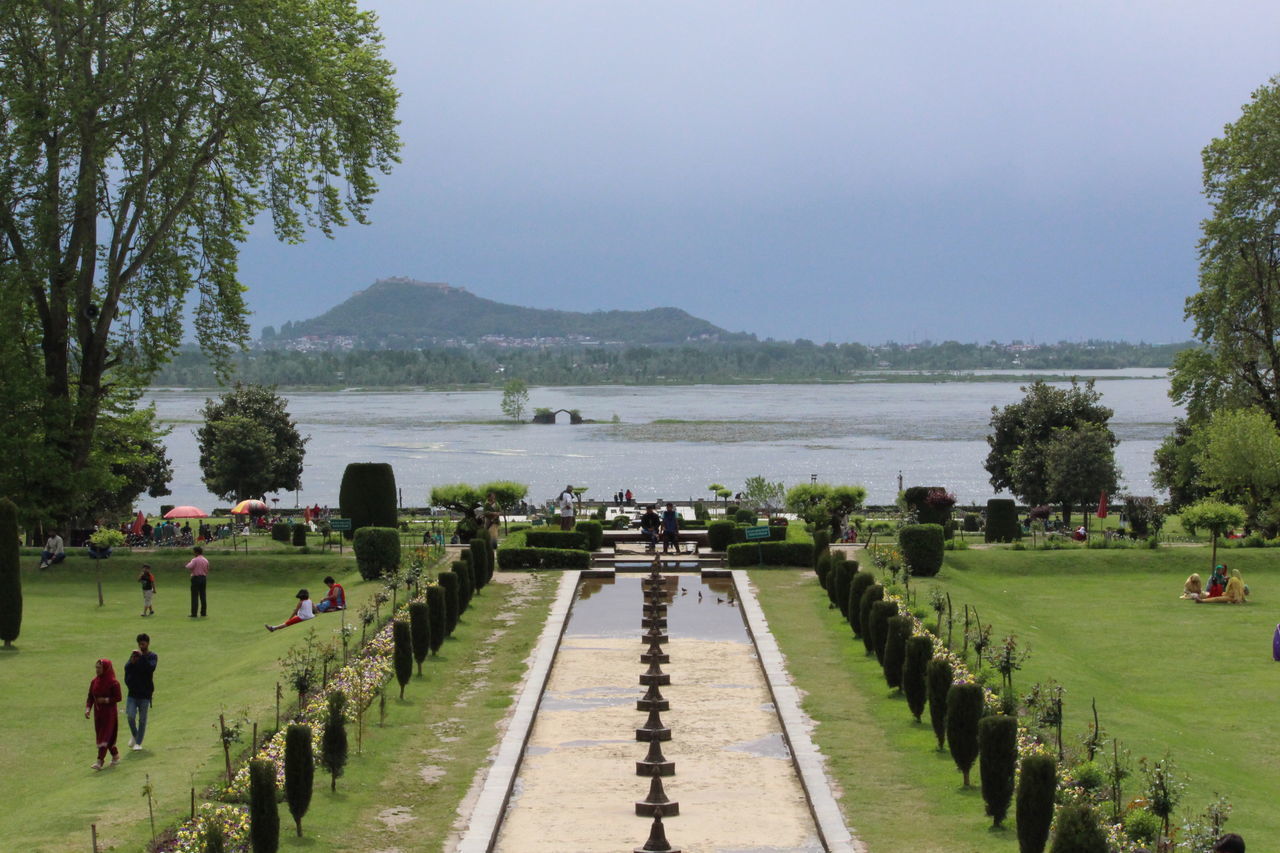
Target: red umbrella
{"x": 186, "y": 512}
{"x": 249, "y": 507}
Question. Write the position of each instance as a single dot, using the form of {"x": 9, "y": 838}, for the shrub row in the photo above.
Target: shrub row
{"x": 771, "y": 554}
{"x": 543, "y": 558}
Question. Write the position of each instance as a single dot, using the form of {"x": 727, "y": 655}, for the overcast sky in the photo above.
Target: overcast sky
{"x": 846, "y": 171}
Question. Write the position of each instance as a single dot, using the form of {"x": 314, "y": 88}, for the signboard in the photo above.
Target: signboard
{"x": 761, "y": 532}
{"x": 343, "y": 524}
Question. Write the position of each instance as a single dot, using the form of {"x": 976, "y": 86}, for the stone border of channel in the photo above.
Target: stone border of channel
{"x": 796, "y": 727}
{"x": 486, "y": 816}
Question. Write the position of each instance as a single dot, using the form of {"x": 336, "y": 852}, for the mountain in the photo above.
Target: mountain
{"x": 399, "y": 313}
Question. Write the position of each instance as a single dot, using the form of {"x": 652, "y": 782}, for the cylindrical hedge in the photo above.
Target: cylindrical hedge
{"x": 922, "y": 548}
{"x": 821, "y": 543}
{"x": 449, "y": 581}
{"x": 367, "y": 495}
{"x": 721, "y": 534}
{"x": 10, "y": 574}
{"x": 264, "y": 814}
{"x": 997, "y": 761}
{"x": 873, "y": 593}
{"x": 1002, "y": 521}
{"x": 857, "y": 586}
{"x": 466, "y": 585}
{"x": 1078, "y": 831}
{"x": 937, "y": 677}
{"x": 333, "y": 743}
{"x": 919, "y": 652}
{"x": 377, "y": 551}
{"x": 1037, "y": 787}
{"x": 438, "y": 618}
{"x": 420, "y": 631}
{"x": 964, "y": 710}
{"x": 402, "y": 652}
{"x": 478, "y": 560}
{"x": 895, "y": 649}
{"x": 594, "y": 531}
{"x": 281, "y": 532}
{"x": 491, "y": 564}
{"x": 821, "y": 568}
{"x": 881, "y": 612}
{"x": 299, "y": 534}
{"x": 299, "y": 772}
{"x": 843, "y": 572}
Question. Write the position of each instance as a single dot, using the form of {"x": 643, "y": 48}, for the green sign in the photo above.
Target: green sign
{"x": 761, "y": 532}
{"x": 345, "y": 524}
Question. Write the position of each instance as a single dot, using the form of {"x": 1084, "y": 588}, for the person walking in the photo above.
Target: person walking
{"x": 139, "y": 679}
{"x": 199, "y": 568}
{"x": 103, "y": 702}
{"x": 566, "y": 508}
{"x": 148, "y": 581}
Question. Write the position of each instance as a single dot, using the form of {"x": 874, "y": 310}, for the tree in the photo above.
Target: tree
{"x": 1022, "y": 432}
{"x": 1239, "y": 458}
{"x": 964, "y": 710}
{"x": 138, "y": 140}
{"x": 264, "y": 814}
{"x": 1216, "y": 517}
{"x": 249, "y": 445}
{"x": 1037, "y": 785}
{"x": 299, "y": 772}
{"x": 333, "y": 744}
{"x": 715, "y": 489}
{"x": 1080, "y": 464}
{"x": 997, "y": 760}
{"x": 515, "y": 399}
{"x": 10, "y": 574}
{"x": 759, "y": 491}
{"x": 459, "y": 497}
{"x": 821, "y": 503}
{"x": 1175, "y": 465}
{"x": 402, "y": 652}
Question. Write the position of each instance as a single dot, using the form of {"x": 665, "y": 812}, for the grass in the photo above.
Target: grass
{"x": 224, "y": 663}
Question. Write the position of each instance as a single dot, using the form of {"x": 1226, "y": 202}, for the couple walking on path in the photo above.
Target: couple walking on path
{"x": 104, "y": 699}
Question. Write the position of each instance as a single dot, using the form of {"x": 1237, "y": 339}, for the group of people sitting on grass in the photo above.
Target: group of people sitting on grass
{"x": 335, "y": 599}
{"x": 1223, "y": 588}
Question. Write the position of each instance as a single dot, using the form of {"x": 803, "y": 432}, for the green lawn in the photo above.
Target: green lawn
{"x": 1197, "y": 681}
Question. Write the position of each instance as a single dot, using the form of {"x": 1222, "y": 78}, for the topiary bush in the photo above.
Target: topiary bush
{"x": 964, "y": 709}
{"x": 1037, "y": 787}
{"x": 367, "y": 495}
{"x": 465, "y": 586}
{"x": 1002, "y": 521}
{"x": 919, "y": 652}
{"x": 299, "y": 772}
{"x": 770, "y": 554}
{"x": 510, "y": 559}
{"x": 1078, "y": 831}
{"x": 420, "y": 631}
{"x": 878, "y": 626}
{"x": 838, "y": 578}
{"x": 857, "y": 586}
{"x": 745, "y": 516}
{"x": 594, "y": 532}
{"x": 821, "y": 568}
{"x": 299, "y": 534}
{"x": 478, "y": 559}
{"x": 895, "y": 649}
{"x": 402, "y": 652}
{"x": 10, "y": 574}
{"x": 438, "y": 618}
{"x": 971, "y": 522}
{"x": 449, "y": 582}
{"x": 937, "y": 677}
{"x": 621, "y": 522}
{"x": 264, "y": 814}
{"x": 281, "y": 532}
{"x": 576, "y": 539}
{"x": 821, "y": 543}
{"x": 873, "y": 593}
{"x": 997, "y": 761}
{"x": 377, "y": 551}
{"x": 922, "y": 548}
{"x": 333, "y": 743}
{"x": 721, "y": 534}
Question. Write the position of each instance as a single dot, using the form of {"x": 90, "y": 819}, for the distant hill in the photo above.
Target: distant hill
{"x": 399, "y": 313}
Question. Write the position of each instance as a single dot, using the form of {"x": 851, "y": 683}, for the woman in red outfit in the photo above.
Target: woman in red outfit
{"x": 104, "y": 696}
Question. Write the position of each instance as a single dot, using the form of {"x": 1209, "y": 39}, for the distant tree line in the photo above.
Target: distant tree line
{"x": 798, "y": 361}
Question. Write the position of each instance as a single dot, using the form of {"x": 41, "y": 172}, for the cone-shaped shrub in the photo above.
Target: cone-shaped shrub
{"x": 918, "y": 653}
{"x": 997, "y": 760}
{"x": 449, "y": 581}
{"x": 479, "y": 561}
{"x": 333, "y": 746}
{"x": 1037, "y": 785}
{"x": 264, "y": 815}
{"x": 466, "y": 585}
{"x": 895, "y": 649}
{"x": 964, "y": 710}
{"x": 491, "y": 564}
{"x": 857, "y": 586}
{"x": 10, "y": 574}
{"x": 834, "y": 562}
{"x": 822, "y": 568}
{"x": 937, "y": 677}
{"x": 870, "y": 596}
{"x": 438, "y": 618}
{"x": 1078, "y": 831}
{"x": 878, "y": 626}
{"x": 821, "y": 544}
{"x": 843, "y": 571}
{"x": 299, "y": 772}
{"x": 420, "y": 631}
{"x": 402, "y": 652}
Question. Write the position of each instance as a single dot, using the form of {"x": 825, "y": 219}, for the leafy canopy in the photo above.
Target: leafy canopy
{"x": 249, "y": 445}
{"x": 515, "y": 399}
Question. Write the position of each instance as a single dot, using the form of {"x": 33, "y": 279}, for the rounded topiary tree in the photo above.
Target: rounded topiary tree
{"x": 299, "y": 772}
{"x": 420, "y": 631}
{"x": 333, "y": 745}
{"x": 1037, "y": 786}
{"x": 10, "y": 574}
{"x": 964, "y": 709}
{"x": 264, "y": 814}
{"x": 922, "y": 548}
{"x": 878, "y": 625}
{"x": 438, "y": 617}
{"x": 895, "y": 649}
{"x": 937, "y": 678}
{"x": 873, "y": 593}
{"x": 857, "y": 586}
{"x": 367, "y": 495}
{"x": 721, "y": 534}
{"x": 918, "y": 653}
{"x": 377, "y": 551}
{"x": 402, "y": 652}
{"x": 449, "y": 581}
{"x": 1078, "y": 831}
{"x": 1002, "y": 521}
{"x": 997, "y": 761}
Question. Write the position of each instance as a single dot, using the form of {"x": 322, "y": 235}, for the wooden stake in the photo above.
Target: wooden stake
{"x": 93, "y": 832}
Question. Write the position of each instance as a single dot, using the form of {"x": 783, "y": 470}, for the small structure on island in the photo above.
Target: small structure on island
{"x": 548, "y": 416}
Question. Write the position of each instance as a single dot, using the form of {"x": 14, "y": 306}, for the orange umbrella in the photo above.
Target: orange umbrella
{"x": 186, "y": 512}
{"x": 249, "y": 507}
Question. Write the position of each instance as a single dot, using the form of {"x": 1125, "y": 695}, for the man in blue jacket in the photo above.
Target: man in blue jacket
{"x": 139, "y": 674}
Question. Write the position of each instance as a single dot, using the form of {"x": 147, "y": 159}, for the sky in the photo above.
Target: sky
{"x": 836, "y": 171}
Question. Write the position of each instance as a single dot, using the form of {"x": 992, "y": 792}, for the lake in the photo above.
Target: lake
{"x": 864, "y": 433}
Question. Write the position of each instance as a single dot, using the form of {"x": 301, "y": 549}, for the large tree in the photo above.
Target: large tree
{"x": 138, "y": 141}
{"x": 249, "y": 445}
{"x": 1080, "y": 464}
{"x": 1023, "y": 433}
{"x": 1240, "y": 459}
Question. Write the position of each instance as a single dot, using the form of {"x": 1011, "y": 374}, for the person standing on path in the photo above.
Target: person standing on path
{"x": 103, "y": 702}
{"x": 670, "y": 529}
{"x": 199, "y": 568}
{"x": 566, "y": 508}
{"x": 139, "y": 678}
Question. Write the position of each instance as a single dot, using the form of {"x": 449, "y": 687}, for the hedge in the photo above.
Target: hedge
{"x": 922, "y": 548}
{"x": 1002, "y": 521}
{"x": 798, "y": 554}
{"x": 280, "y": 532}
{"x": 367, "y": 495}
{"x": 594, "y": 532}
{"x": 543, "y": 558}
{"x": 299, "y": 534}
{"x": 576, "y": 539}
{"x": 720, "y": 535}
{"x": 377, "y": 551}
